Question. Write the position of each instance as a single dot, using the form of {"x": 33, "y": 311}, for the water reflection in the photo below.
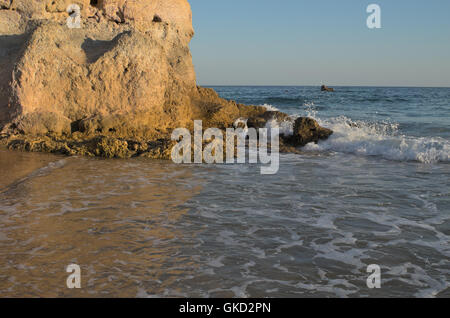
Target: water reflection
{"x": 147, "y": 228}
{"x": 114, "y": 218}
{"x": 15, "y": 165}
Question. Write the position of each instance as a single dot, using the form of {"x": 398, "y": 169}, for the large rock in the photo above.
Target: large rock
{"x": 100, "y": 70}
{"x": 307, "y": 130}
{"x": 125, "y": 75}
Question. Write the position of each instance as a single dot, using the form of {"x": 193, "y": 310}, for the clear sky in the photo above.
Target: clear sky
{"x": 299, "y": 42}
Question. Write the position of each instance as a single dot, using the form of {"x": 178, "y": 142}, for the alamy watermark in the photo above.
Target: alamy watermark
{"x": 209, "y": 146}
{"x": 374, "y": 280}
{"x": 374, "y": 19}
{"x": 74, "y": 19}
{"x": 74, "y": 279}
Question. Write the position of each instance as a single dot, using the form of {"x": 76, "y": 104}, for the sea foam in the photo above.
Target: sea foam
{"x": 380, "y": 139}
{"x": 270, "y": 108}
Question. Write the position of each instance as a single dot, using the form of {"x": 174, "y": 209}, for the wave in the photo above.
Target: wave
{"x": 40, "y": 172}
{"x": 381, "y": 99}
{"x": 285, "y": 100}
{"x": 380, "y": 139}
{"x": 270, "y": 108}
{"x": 285, "y": 127}
{"x": 308, "y": 104}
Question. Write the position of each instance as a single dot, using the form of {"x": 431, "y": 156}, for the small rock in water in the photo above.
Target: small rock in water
{"x": 307, "y": 130}
{"x": 326, "y": 89}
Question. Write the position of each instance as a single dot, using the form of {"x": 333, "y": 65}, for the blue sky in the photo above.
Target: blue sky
{"x": 298, "y": 42}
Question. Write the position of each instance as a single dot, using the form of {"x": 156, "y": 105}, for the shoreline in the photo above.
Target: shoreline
{"x": 17, "y": 165}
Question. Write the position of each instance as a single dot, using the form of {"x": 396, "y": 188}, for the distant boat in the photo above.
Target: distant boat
{"x": 326, "y": 89}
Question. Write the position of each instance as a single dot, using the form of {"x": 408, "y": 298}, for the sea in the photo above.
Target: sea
{"x": 370, "y": 204}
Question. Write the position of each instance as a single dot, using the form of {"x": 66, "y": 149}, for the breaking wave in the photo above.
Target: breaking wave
{"x": 364, "y": 138}
{"x": 270, "y": 108}
{"x": 380, "y": 139}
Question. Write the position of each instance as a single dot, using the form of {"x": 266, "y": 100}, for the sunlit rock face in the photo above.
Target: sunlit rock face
{"x": 128, "y": 58}
{"x": 115, "y": 84}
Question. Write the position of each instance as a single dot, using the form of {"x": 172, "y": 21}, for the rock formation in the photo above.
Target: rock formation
{"x": 307, "y": 130}
{"x": 115, "y": 87}
{"x": 324, "y": 88}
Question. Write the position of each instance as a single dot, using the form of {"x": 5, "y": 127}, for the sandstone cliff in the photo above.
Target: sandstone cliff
{"x": 116, "y": 86}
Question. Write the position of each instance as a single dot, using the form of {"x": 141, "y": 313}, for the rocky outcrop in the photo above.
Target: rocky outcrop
{"x": 102, "y": 72}
{"x": 115, "y": 87}
{"x": 306, "y": 130}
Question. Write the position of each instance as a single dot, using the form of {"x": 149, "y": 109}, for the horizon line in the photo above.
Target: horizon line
{"x": 318, "y": 85}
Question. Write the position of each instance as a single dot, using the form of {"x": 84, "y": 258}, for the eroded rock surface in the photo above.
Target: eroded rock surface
{"x": 116, "y": 87}
{"x": 306, "y": 130}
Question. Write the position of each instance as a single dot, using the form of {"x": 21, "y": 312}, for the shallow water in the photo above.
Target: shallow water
{"x": 152, "y": 228}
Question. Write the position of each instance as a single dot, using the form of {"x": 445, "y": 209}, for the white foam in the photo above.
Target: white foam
{"x": 308, "y": 104}
{"x": 380, "y": 139}
{"x": 286, "y": 127}
{"x": 270, "y": 108}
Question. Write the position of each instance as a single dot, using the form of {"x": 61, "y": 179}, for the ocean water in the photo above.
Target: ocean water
{"x": 377, "y": 192}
